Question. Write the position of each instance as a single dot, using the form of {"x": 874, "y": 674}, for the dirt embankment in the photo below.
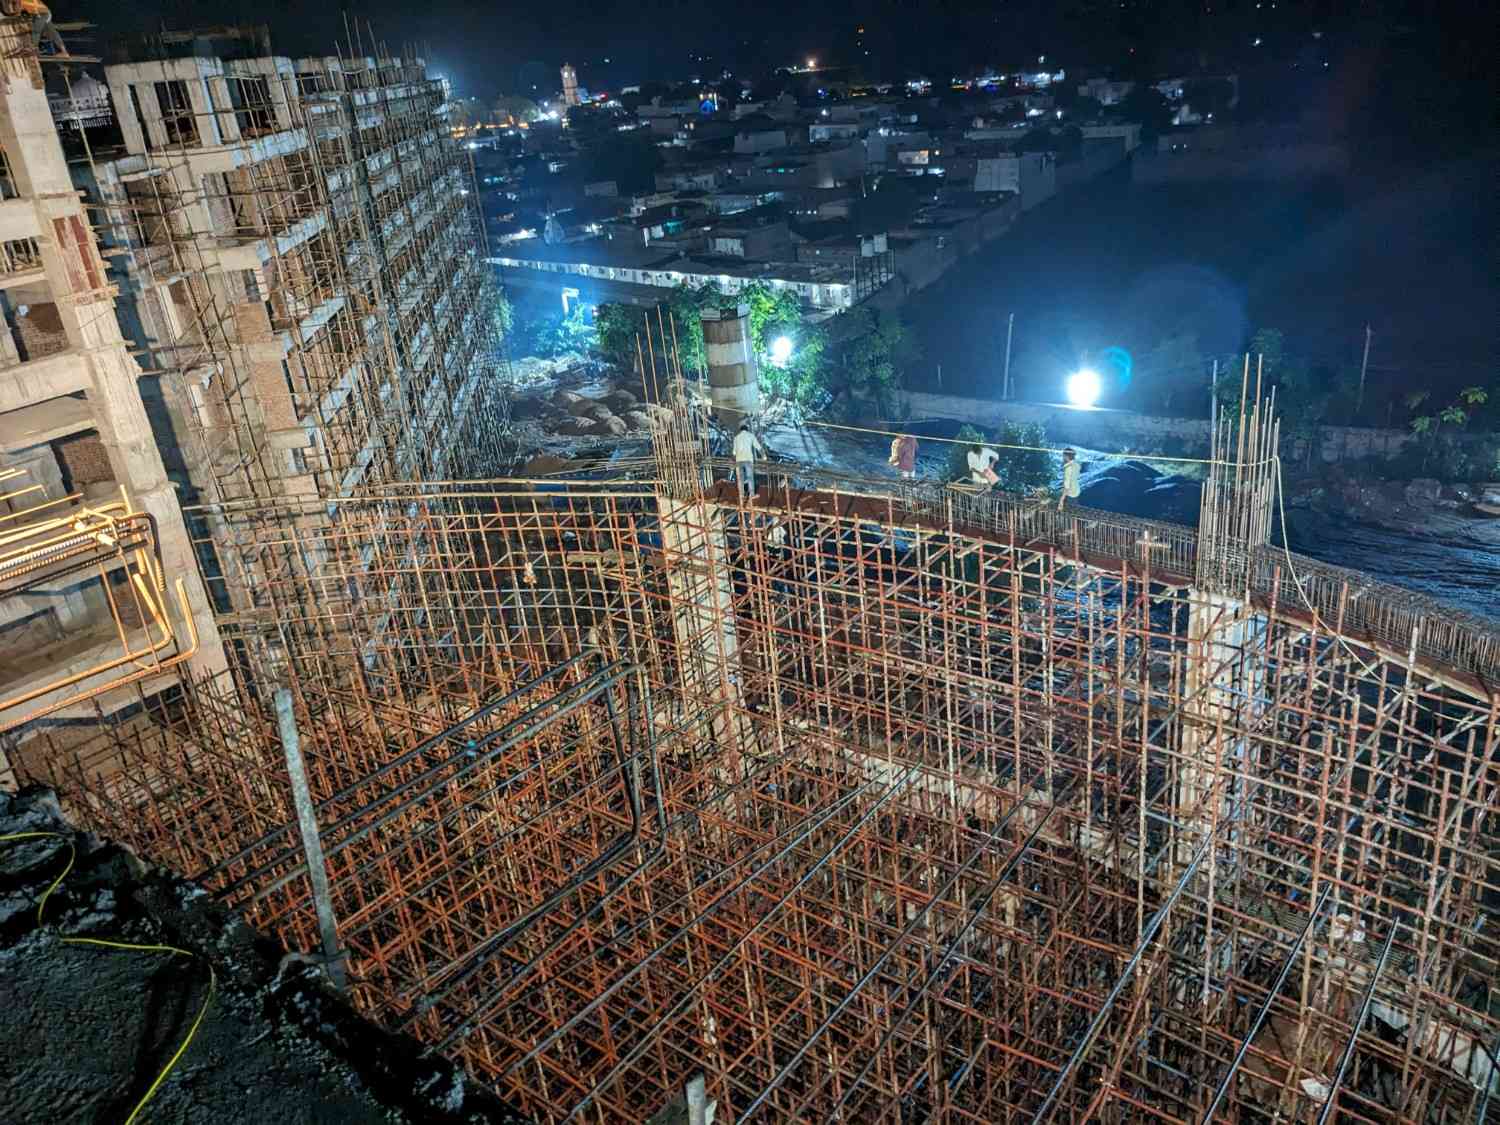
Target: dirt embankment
{"x": 88, "y": 1029}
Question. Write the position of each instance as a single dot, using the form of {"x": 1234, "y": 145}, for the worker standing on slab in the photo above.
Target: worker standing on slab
{"x": 1069, "y": 480}
{"x": 982, "y": 466}
{"x": 904, "y": 456}
{"x": 746, "y": 445}
{"x": 41, "y": 23}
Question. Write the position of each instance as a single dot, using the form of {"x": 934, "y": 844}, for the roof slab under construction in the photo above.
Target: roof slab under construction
{"x": 852, "y": 801}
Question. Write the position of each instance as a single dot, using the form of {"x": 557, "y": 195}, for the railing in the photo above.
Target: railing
{"x": 19, "y": 255}
{"x": 1347, "y": 601}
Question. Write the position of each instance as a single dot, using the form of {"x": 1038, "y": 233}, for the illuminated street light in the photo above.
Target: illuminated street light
{"x": 1084, "y": 388}
{"x": 812, "y": 64}
{"x": 781, "y": 351}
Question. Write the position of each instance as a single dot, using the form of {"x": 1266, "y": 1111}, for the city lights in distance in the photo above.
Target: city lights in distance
{"x": 1084, "y": 387}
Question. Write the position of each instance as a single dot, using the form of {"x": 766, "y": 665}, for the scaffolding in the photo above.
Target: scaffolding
{"x": 310, "y": 273}
{"x": 865, "y": 801}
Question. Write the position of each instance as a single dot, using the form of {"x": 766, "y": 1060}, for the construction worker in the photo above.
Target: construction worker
{"x": 982, "y": 466}
{"x": 1069, "y": 480}
{"x": 41, "y": 23}
{"x": 904, "y": 456}
{"x": 746, "y": 445}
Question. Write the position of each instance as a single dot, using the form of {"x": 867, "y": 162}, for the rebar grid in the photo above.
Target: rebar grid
{"x": 952, "y": 825}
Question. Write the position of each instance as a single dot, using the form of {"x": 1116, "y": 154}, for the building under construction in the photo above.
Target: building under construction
{"x": 290, "y": 251}
{"x": 851, "y": 801}
{"x": 303, "y": 255}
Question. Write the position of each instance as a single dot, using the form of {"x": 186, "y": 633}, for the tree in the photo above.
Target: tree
{"x": 1429, "y": 427}
{"x": 798, "y": 387}
{"x": 872, "y": 362}
{"x": 616, "y": 328}
{"x": 550, "y": 334}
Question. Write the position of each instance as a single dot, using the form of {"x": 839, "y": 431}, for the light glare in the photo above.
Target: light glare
{"x": 1084, "y": 388}
{"x": 781, "y": 350}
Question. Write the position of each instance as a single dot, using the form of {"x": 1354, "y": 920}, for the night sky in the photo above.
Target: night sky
{"x": 506, "y": 48}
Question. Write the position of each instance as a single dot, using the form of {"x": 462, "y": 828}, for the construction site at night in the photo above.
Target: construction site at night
{"x": 851, "y": 800}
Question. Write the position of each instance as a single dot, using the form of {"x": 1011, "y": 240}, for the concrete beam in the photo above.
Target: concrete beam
{"x": 43, "y": 422}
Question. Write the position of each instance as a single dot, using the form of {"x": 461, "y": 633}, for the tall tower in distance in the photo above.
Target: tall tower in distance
{"x": 570, "y": 85}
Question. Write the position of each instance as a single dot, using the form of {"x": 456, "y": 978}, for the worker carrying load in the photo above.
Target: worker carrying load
{"x": 982, "y": 466}
{"x": 904, "y": 456}
{"x": 41, "y": 23}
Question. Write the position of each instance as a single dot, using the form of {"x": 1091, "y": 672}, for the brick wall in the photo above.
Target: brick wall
{"x": 41, "y": 331}
{"x": 83, "y": 460}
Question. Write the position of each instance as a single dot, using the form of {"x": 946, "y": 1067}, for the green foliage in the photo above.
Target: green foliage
{"x": 618, "y": 326}
{"x": 1019, "y": 470}
{"x": 870, "y": 364}
{"x": 1024, "y": 470}
{"x": 548, "y": 335}
{"x": 615, "y": 327}
{"x": 1438, "y": 450}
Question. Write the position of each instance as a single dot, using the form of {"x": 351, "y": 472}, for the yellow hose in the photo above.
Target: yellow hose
{"x": 213, "y": 979}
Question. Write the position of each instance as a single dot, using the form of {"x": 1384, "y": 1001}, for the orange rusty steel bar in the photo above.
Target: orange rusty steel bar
{"x": 850, "y": 691}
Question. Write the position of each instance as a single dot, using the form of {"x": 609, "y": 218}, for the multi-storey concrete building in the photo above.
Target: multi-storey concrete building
{"x": 293, "y": 253}
{"x": 88, "y": 602}
{"x": 302, "y": 246}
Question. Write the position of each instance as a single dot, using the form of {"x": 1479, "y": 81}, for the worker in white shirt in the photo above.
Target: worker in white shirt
{"x": 1069, "y": 481}
{"x": 746, "y": 445}
{"x": 982, "y": 466}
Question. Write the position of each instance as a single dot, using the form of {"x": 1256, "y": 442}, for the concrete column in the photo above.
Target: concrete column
{"x": 1223, "y": 684}
{"x": 224, "y": 116}
{"x": 205, "y": 115}
{"x": 152, "y": 121}
{"x": 694, "y": 551}
{"x": 125, "y": 112}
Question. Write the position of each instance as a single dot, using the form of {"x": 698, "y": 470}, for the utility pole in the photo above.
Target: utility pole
{"x": 1010, "y": 327}
{"x": 1359, "y": 403}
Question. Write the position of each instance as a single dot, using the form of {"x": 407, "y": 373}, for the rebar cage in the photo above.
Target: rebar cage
{"x": 878, "y": 818}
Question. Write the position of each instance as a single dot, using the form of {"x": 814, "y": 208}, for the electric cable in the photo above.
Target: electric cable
{"x": 135, "y": 947}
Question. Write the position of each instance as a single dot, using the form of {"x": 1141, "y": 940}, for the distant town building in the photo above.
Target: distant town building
{"x": 1031, "y": 175}
{"x": 570, "y": 85}
{"x": 85, "y": 106}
